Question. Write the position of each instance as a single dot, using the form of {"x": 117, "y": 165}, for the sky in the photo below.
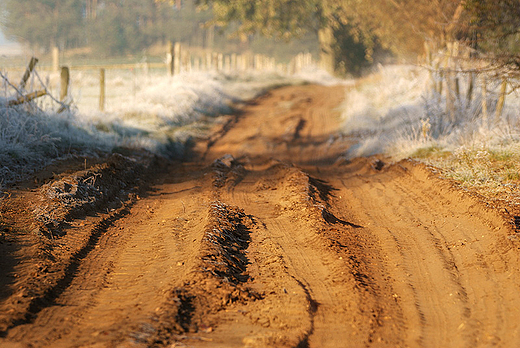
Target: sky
{"x": 3, "y": 40}
{"x": 7, "y": 47}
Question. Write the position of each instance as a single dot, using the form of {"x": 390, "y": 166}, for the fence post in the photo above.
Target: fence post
{"x": 220, "y": 62}
{"x": 177, "y": 58}
{"x": 484, "y": 100}
{"x": 189, "y": 62}
{"x": 469, "y": 94}
{"x": 214, "y": 61}
{"x": 28, "y": 72}
{"x": 440, "y": 84}
{"x": 240, "y": 62}
{"x": 233, "y": 61}
{"x": 169, "y": 58}
{"x": 102, "y": 89}
{"x": 227, "y": 63}
{"x": 64, "y": 84}
{"x": 501, "y": 101}
{"x": 55, "y": 59}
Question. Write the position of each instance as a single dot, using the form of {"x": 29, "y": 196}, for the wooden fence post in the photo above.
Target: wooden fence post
{"x": 27, "y": 98}
{"x": 169, "y": 58}
{"x": 55, "y": 59}
{"x": 28, "y": 72}
{"x": 214, "y": 61}
{"x": 469, "y": 94}
{"x": 440, "y": 84}
{"x": 227, "y": 63}
{"x": 484, "y": 100}
{"x": 233, "y": 61}
{"x": 102, "y": 89}
{"x": 188, "y": 61}
{"x": 64, "y": 84}
{"x": 501, "y": 101}
{"x": 209, "y": 61}
{"x": 177, "y": 58}
{"x": 220, "y": 62}
{"x": 240, "y": 62}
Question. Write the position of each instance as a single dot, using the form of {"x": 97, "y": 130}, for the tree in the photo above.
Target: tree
{"x": 279, "y": 18}
{"x": 398, "y": 25}
{"x": 494, "y": 28}
{"x": 401, "y": 26}
{"x": 44, "y": 23}
{"x": 124, "y": 27}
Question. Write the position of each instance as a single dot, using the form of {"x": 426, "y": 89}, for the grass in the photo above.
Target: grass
{"x": 395, "y": 113}
{"x": 145, "y": 110}
{"x": 432, "y": 152}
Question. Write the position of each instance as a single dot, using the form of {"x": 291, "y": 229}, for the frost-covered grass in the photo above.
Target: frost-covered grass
{"x": 143, "y": 111}
{"x": 394, "y": 112}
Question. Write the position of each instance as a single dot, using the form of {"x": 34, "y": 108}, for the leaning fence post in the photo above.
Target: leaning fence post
{"x": 28, "y": 72}
{"x": 102, "y": 89}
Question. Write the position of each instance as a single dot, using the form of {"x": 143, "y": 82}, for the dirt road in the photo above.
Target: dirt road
{"x": 266, "y": 238}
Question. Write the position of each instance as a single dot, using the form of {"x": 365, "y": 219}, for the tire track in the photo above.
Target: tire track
{"x": 49, "y": 296}
{"x": 335, "y": 289}
{"x": 448, "y": 295}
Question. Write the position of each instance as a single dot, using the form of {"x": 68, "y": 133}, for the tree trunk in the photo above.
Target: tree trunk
{"x": 326, "y": 39}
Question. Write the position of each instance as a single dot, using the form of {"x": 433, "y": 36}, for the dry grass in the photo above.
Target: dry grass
{"x": 396, "y": 114}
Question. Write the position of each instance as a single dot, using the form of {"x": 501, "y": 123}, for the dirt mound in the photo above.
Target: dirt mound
{"x": 75, "y": 195}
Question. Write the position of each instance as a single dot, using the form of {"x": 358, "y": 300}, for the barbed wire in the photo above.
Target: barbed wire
{"x": 10, "y": 84}
{"x": 63, "y": 106}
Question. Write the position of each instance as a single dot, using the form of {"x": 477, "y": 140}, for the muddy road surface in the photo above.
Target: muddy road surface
{"x": 265, "y": 238}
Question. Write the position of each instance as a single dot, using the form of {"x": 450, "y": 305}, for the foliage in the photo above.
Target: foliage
{"x": 134, "y": 25}
{"x": 349, "y": 30}
{"x": 340, "y": 45}
{"x": 404, "y": 25}
{"x": 495, "y": 28}
{"x": 115, "y": 27}
{"x": 44, "y": 23}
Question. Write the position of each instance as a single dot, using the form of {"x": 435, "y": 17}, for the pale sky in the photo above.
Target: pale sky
{"x": 3, "y": 40}
{"x": 8, "y": 48}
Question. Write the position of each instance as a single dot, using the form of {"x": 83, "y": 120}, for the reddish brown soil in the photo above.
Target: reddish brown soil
{"x": 266, "y": 238}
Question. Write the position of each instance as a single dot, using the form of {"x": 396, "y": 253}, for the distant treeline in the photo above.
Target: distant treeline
{"x": 120, "y": 27}
{"x": 109, "y": 26}
{"x": 346, "y": 34}
{"x": 490, "y": 29}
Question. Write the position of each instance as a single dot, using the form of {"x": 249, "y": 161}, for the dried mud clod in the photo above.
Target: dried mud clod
{"x": 91, "y": 190}
{"x": 314, "y": 195}
{"x": 227, "y": 171}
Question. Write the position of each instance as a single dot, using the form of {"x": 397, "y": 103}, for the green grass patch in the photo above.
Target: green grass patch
{"x": 433, "y": 151}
